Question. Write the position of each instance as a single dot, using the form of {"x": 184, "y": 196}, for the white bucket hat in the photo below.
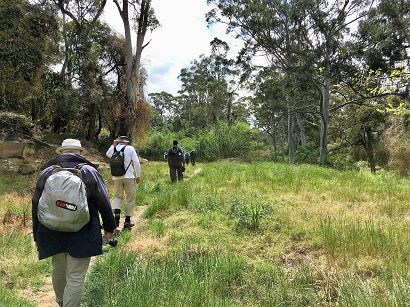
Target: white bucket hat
{"x": 70, "y": 144}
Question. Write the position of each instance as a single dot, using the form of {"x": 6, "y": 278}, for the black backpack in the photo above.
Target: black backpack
{"x": 117, "y": 162}
{"x": 174, "y": 154}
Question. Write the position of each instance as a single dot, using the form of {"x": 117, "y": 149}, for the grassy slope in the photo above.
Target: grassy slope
{"x": 247, "y": 234}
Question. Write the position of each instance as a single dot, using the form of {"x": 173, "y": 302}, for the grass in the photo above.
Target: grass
{"x": 240, "y": 234}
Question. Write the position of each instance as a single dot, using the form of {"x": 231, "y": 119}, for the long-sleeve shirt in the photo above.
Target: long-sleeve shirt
{"x": 130, "y": 160}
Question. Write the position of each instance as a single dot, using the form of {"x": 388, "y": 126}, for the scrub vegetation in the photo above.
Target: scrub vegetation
{"x": 237, "y": 234}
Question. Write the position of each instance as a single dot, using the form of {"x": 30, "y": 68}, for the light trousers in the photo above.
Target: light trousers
{"x": 68, "y": 275}
{"x": 129, "y": 186}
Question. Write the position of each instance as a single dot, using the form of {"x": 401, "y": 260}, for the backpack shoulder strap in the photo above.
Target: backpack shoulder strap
{"x": 122, "y": 149}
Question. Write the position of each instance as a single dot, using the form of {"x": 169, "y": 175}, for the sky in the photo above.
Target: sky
{"x": 182, "y": 38}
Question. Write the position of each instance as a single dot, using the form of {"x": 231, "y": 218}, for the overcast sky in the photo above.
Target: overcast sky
{"x": 182, "y": 38}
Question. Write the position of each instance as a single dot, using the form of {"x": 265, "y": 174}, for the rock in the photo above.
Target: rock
{"x": 143, "y": 161}
{"x": 16, "y": 149}
{"x": 27, "y": 169}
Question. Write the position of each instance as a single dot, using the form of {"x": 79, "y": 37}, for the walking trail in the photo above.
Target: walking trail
{"x": 46, "y": 297}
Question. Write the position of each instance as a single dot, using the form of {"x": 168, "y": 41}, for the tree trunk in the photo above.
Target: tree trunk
{"x": 133, "y": 62}
{"x": 91, "y": 122}
{"x": 324, "y": 113}
{"x": 302, "y": 130}
{"x": 228, "y": 116}
{"x": 283, "y": 142}
{"x": 291, "y": 143}
{"x": 368, "y": 146}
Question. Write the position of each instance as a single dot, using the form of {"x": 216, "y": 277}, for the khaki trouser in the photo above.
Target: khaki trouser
{"x": 68, "y": 275}
{"x": 129, "y": 186}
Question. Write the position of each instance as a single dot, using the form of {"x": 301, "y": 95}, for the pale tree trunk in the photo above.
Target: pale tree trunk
{"x": 324, "y": 113}
{"x": 302, "y": 130}
{"x": 228, "y": 117}
{"x": 291, "y": 142}
{"x": 283, "y": 142}
{"x": 133, "y": 63}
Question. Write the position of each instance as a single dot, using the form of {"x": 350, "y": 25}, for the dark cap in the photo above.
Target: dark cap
{"x": 175, "y": 142}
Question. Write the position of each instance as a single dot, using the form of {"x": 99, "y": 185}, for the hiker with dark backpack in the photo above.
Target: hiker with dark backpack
{"x": 187, "y": 158}
{"x": 124, "y": 163}
{"x": 69, "y": 198}
{"x": 192, "y": 156}
{"x": 176, "y": 162}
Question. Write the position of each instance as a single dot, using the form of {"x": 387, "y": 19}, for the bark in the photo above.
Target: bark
{"x": 291, "y": 142}
{"x": 91, "y": 123}
{"x": 229, "y": 109}
{"x": 324, "y": 113}
{"x": 302, "y": 130}
{"x": 133, "y": 63}
{"x": 368, "y": 146}
{"x": 283, "y": 142}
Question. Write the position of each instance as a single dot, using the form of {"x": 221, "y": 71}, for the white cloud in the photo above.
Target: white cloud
{"x": 182, "y": 38}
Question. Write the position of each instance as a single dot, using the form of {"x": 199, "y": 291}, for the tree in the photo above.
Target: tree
{"x": 145, "y": 20}
{"x": 299, "y": 38}
{"x": 163, "y": 105}
{"x": 28, "y": 46}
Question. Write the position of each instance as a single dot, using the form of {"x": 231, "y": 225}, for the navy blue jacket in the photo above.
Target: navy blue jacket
{"x": 87, "y": 241}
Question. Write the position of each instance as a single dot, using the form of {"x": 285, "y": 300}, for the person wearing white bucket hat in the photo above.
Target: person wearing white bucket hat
{"x": 70, "y": 145}
{"x": 71, "y": 251}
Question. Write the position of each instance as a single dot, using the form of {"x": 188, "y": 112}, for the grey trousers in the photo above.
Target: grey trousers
{"x": 129, "y": 186}
{"x": 68, "y": 275}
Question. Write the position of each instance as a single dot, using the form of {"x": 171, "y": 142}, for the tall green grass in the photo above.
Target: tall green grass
{"x": 187, "y": 278}
{"x": 248, "y": 234}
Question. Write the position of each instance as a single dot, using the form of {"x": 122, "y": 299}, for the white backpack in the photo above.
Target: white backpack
{"x": 63, "y": 204}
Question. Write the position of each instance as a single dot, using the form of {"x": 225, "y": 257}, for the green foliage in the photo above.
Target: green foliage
{"x": 307, "y": 154}
{"x": 248, "y": 212}
{"x": 223, "y": 141}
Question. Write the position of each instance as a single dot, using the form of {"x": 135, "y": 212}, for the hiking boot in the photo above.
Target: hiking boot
{"x": 117, "y": 219}
{"x": 128, "y": 225}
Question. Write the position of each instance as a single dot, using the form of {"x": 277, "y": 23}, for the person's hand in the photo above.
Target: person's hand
{"x": 137, "y": 180}
{"x": 115, "y": 143}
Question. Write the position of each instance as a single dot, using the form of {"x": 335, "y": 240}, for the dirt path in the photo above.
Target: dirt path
{"x": 45, "y": 297}
{"x": 195, "y": 172}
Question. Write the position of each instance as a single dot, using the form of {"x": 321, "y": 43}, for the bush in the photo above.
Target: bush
{"x": 307, "y": 154}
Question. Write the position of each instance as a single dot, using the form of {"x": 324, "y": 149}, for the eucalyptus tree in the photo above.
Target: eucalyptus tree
{"x": 163, "y": 105}
{"x": 145, "y": 20}
{"x": 209, "y": 84}
{"x": 29, "y": 37}
{"x": 382, "y": 51}
{"x": 81, "y": 69}
{"x": 275, "y": 28}
{"x": 299, "y": 37}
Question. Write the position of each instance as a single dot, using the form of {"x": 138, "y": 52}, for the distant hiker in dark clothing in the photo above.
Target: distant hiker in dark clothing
{"x": 176, "y": 162}
{"x": 187, "y": 158}
{"x": 71, "y": 251}
{"x": 193, "y": 156}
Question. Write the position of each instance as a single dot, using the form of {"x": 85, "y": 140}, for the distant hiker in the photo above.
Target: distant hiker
{"x": 124, "y": 179}
{"x": 187, "y": 157}
{"x": 176, "y": 162}
{"x": 165, "y": 155}
{"x": 193, "y": 156}
{"x": 71, "y": 251}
